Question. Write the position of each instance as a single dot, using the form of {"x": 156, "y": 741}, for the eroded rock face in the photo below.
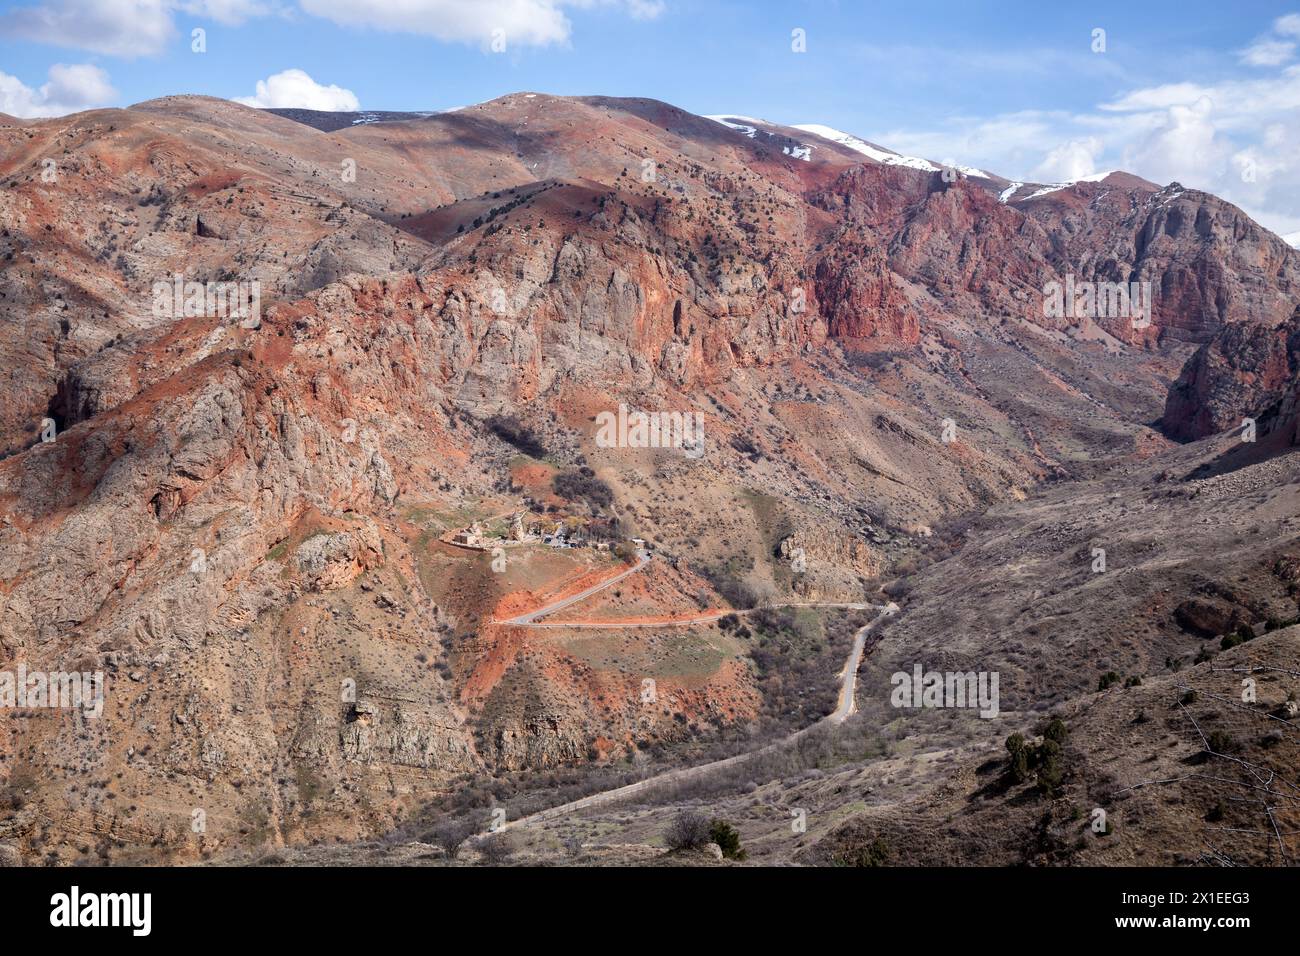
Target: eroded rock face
{"x": 540, "y": 742}
{"x": 864, "y": 308}
{"x": 1212, "y": 265}
{"x": 828, "y": 565}
{"x": 226, "y": 522}
{"x": 1208, "y": 264}
{"x": 329, "y": 561}
{"x": 398, "y": 734}
{"x": 1245, "y": 370}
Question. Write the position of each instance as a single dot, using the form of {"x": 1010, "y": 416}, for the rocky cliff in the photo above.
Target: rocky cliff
{"x": 239, "y": 519}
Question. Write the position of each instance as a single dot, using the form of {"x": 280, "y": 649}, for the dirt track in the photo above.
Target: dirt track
{"x": 846, "y": 706}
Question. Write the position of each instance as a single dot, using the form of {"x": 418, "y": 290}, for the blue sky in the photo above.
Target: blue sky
{"x": 1206, "y": 93}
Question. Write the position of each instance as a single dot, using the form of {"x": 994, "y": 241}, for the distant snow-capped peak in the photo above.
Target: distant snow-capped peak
{"x": 749, "y": 126}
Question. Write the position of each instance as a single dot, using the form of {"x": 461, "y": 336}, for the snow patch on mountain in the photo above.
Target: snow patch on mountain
{"x": 1054, "y": 187}
{"x": 887, "y": 157}
{"x": 728, "y": 120}
{"x": 742, "y": 125}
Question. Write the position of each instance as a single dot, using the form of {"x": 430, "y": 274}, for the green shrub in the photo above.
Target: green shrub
{"x": 1051, "y": 769}
{"x": 1055, "y": 730}
{"x": 728, "y": 838}
{"x": 1018, "y": 764}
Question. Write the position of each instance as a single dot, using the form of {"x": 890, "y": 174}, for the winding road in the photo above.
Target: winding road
{"x": 845, "y": 707}
{"x": 527, "y": 620}
{"x": 532, "y": 618}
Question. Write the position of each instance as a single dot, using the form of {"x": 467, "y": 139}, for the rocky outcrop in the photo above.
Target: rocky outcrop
{"x": 828, "y": 565}
{"x": 544, "y": 741}
{"x": 864, "y": 309}
{"x": 1208, "y": 264}
{"x": 1209, "y": 617}
{"x": 402, "y": 735}
{"x": 329, "y": 561}
{"x": 1246, "y": 370}
{"x": 1211, "y": 265}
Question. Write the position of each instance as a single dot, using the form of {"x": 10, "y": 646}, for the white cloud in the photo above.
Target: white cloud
{"x": 1268, "y": 52}
{"x": 125, "y": 28}
{"x": 517, "y": 22}
{"x": 1237, "y": 137}
{"x": 1274, "y": 50}
{"x": 1158, "y": 97}
{"x": 1069, "y": 161}
{"x": 1184, "y": 147}
{"x": 526, "y": 22}
{"x": 294, "y": 89}
{"x": 70, "y": 89}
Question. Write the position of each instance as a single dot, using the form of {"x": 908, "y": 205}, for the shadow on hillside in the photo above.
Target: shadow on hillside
{"x": 1244, "y": 454}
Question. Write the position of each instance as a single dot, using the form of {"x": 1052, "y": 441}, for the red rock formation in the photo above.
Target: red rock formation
{"x": 508, "y": 257}
{"x": 858, "y": 295}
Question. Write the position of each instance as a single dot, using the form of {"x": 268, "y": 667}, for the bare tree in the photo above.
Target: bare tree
{"x": 687, "y": 831}
{"x": 496, "y": 849}
{"x": 451, "y": 836}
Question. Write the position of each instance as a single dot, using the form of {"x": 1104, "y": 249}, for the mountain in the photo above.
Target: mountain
{"x": 329, "y": 122}
{"x": 288, "y": 537}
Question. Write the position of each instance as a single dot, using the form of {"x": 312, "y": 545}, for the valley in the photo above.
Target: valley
{"x": 384, "y": 571}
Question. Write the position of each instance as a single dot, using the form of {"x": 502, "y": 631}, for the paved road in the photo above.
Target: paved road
{"x": 848, "y": 683}
{"x": 527, "y": 620}
{"x": 849, "y": 676}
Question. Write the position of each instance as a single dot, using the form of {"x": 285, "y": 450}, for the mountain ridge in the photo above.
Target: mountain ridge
{"x": 447, "y": 306}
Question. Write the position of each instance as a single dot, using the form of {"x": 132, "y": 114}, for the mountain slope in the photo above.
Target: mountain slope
{"x": 448, "y": 305}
